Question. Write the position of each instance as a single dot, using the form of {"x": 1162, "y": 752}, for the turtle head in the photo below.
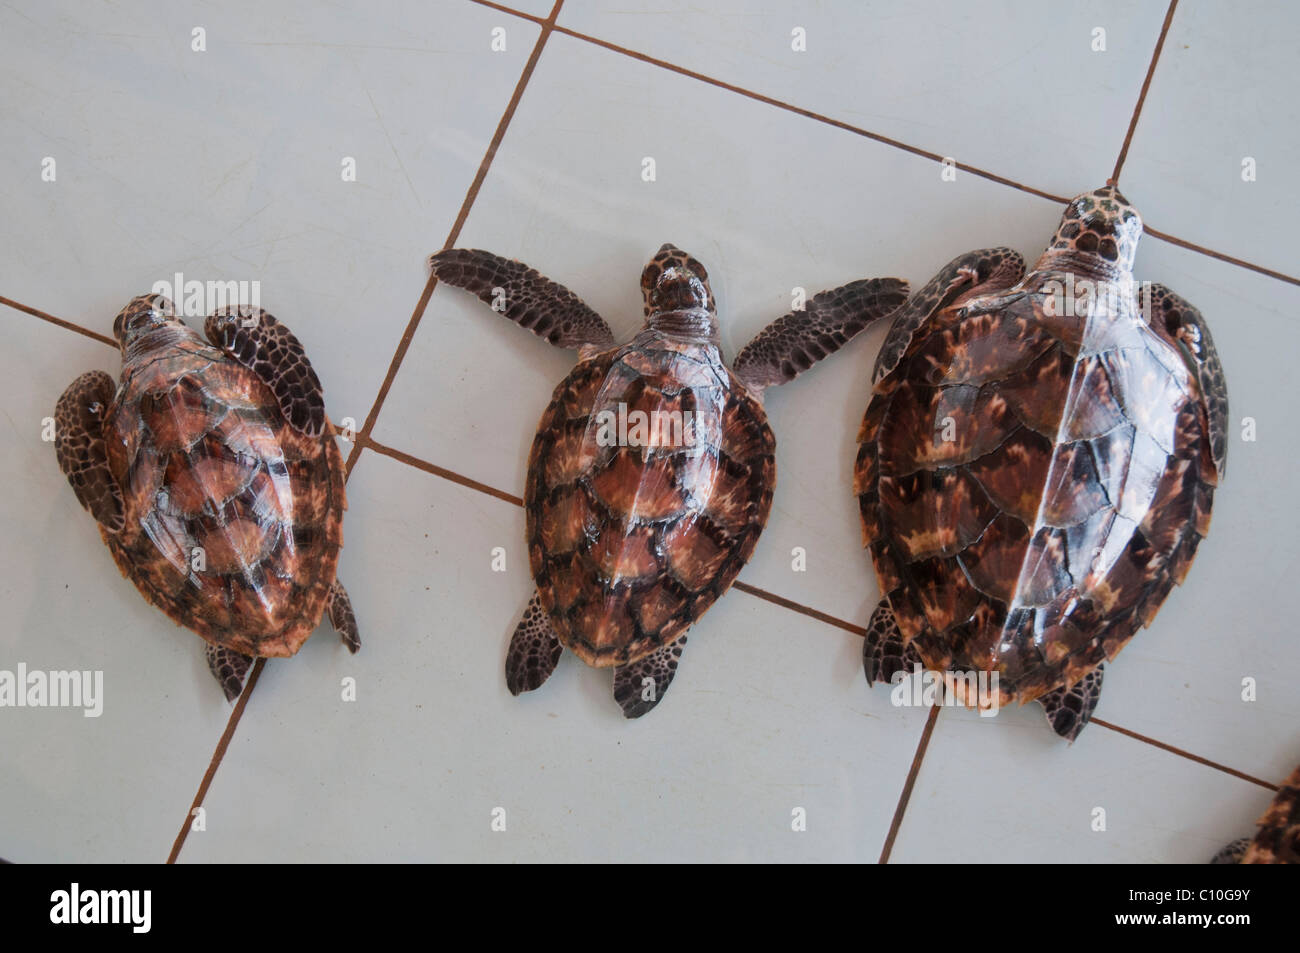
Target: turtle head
{"x": 144, "y": 315}
{"x": 678, "y": 300}
{"x": 1100, "y": 224}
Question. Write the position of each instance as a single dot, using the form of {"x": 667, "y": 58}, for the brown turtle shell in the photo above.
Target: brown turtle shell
{"x": 1032, "y": 486}
{"x": 633, "y": 536}
{"x": 233, "y": 519}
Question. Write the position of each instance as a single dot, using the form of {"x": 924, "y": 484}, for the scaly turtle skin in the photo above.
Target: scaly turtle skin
{"x": 215, "y": 479}
{"x": 1036, "y": 466}
{"x": 632, "y": 534}
{"x": 1278, "y": 839}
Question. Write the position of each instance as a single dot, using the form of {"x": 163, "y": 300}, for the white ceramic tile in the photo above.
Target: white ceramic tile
{"x": 763, "y": 717}
{"x": 105, "y": 789}
{"x": 768, "y": 201}
{"x": 1002, "y": 790}
{"x": 1015, "y": 89}
{"x": 1222, "y": 92}
{"x": 227, "y": 164}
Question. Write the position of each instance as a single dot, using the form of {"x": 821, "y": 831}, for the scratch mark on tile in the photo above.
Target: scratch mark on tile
{"x": 400, "y": 164}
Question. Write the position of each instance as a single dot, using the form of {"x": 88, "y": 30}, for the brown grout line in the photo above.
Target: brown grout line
{"x": 416, "y": 316}
{"x": 809, "y": 611}
{"x": 906, "y": 796}
{"x": 1142, "y": 96}
{"x": 217, "y": 755}
{"x": 443, "y": 472}
{"x": 363, "y": 436}
{"x": 59, "y": 322}
{"x": 1186, "y": 754}
{"x": 1181, "y": 243}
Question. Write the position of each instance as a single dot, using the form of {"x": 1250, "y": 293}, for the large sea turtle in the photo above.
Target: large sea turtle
{"x": 1037, "y": 464}
{"x": 213, "y": 474}
{"x": 652, "y": 471}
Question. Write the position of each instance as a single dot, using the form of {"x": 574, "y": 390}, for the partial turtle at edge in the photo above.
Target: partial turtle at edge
{"x": 1278, "y": 839}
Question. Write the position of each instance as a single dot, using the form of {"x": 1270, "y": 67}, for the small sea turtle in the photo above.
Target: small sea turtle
{"x": 215, "y": 479}
{"x": 652, "y": 471}
{"x": 1037, "y": 464}
{"x": 1278, "y": 839}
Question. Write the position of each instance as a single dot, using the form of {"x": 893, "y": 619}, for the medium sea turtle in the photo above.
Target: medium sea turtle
{"x": 1278, "y": 839}
{"x": 1037, "y": 464}
{"x": 652, "y": 471}
{"x": 215, "y": 479}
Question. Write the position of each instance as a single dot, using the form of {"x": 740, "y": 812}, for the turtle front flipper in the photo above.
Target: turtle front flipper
{"x": 1068, "y": 710}
{"x": 228, "y": 667}
{"x": 989, "y": 269}
{"x": 884, "y": 653}
{"x": 642, "y": 684}
{"x": 796, "y": 341}
{"x": 523, "y": 295}
{"x": 1176, "y": 320}
{"x": 79, "y": 446}
{"x": 258, "y": 341}
{"x": 534, "y": 650}
{"x": 338, "y": 606}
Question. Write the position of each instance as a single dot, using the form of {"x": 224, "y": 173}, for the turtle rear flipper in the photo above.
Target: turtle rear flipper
{"x": 80, "y": 448}
{"x": 1068, "y": 710}
{"x": 988, "y": 269}
{"x": 338, "y": 606}
{"x": 884, "y": 652}
{"x": 534, "y": 650}
{"x": 523, "y": 295}
{"x": 1232, "y": 853}
{"x": 228, "y": 667}
{"x": 641, "y": 685}
{"x": 796, "y": 341}
{"x": 258, "y": 341}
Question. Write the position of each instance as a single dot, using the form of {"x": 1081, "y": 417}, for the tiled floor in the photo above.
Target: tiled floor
{"x": 778, "y": 168}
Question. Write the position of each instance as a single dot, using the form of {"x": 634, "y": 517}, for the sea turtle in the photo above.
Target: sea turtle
{"x": 212, "y": 471}
{"x": 652, "y": 471}
{"x": 1278, "y": 839}
{"x": 1037, "y": 465}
